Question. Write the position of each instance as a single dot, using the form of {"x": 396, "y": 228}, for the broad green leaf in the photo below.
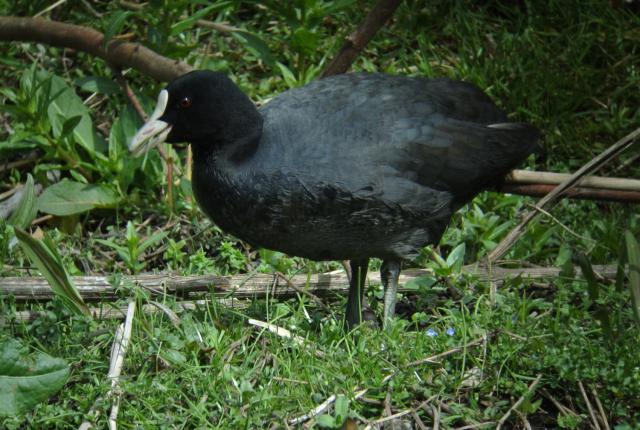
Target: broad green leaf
{"x": 456, "y": 257}
{"x": 287, "y": 75}
{"x": 341, "y": 408}
{"x": 326, "y": 421}
{"x": 69, "y": 125}
{"x": 122, "y": 130}
{"x": 27, "y": 379}
{"x": 633, "y": 256}
{"x": 9, "y": 94}
{"x": 69, "y": 197}
{"x": 97, "y": 84}
{"x": 305, "y": 41}
{"x": 151, "y": 240}
{"x": 27, "y": 208}
{"x": 115, "y": 24}
{"x": 63, "y": 103}
{"x": 44, "y": 255}
{"x": 421, "y": 282}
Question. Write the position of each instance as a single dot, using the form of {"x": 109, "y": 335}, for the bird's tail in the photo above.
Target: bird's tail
{"x": 525, "y": 137}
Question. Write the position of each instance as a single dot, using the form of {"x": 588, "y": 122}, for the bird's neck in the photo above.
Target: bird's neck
{"x": 233, "y": 145}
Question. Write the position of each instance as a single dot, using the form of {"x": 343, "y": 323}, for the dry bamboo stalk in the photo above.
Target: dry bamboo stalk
{"x": 99, "y": 288}
{"x": 552, "y": 178}
{"x": 599, "y": 194}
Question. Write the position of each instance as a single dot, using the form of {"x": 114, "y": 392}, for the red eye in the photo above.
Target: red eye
{"x": 185, "y": 103}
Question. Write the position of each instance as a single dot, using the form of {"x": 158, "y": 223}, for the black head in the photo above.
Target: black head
{"x": 202, "y": 108}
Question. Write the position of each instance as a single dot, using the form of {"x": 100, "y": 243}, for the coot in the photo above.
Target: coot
{"x": 351, "y": 166}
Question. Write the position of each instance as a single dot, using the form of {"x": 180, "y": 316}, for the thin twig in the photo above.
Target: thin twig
{"x": 118, "y": 352}
{"x": 306, "y": 292}
{"x": 600, "y": 409}
{"x": 49, "y": 8}
{"x": 550, "y": 199}
{"x": 386, "y": 411}
{"x": 389, "y": 418}
{"x": 557, "y": 221}
{"x": 375, "y": 19}
{"x": 283, "y": 332}
{"x": 517, "y": 404}
{"x": 562, "y": 408}
{"x": 126, "y": 89}
{"x": 40, "y": 220}
{"x": 525, "y": 421}
{"x": 592, "y": 413}
{"x": 321, "y": 408}
{"x": 436, "y": 417}
{"x": 630, "y": 161}
{"x": 418, "y": 421}
{"x": 476, "y": 426}
{"x": 315, "y": 411}
{"x": 32, "y": 157}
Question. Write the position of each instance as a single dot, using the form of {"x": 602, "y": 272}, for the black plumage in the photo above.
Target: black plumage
{"x": 351, "y": 166}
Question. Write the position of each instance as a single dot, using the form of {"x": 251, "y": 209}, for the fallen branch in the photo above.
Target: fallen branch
{"x": 100, "y": 288}
{"x": 375, "y": 19}
{"x": 559, "y": 191}
{"x": 118, "y": 53}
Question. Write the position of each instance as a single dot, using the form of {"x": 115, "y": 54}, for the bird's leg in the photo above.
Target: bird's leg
{"x": 389, "y": 273}
{"x": 353, "y": 314}
{"x": 347, "y": 268}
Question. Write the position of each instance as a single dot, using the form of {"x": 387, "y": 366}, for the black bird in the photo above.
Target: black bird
{"x": 351, "y": 166}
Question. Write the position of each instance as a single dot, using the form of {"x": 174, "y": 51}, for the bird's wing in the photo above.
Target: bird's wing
{"x": 411, "y": 142}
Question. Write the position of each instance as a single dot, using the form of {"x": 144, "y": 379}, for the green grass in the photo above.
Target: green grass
{"x": 568, "y": 67}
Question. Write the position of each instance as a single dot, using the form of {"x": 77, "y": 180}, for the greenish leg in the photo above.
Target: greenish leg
{"x": 389, "y": 273}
